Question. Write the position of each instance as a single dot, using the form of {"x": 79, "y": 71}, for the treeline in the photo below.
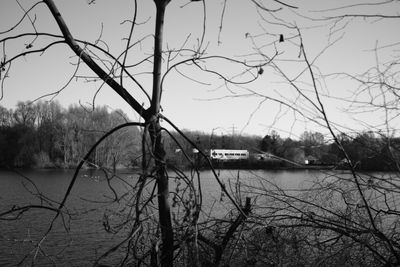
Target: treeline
{"x": 46, "y": 135}
{"x": 367, "y": 151}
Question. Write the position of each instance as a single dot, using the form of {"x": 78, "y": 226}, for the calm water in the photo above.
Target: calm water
{"x": 89, "y": 199}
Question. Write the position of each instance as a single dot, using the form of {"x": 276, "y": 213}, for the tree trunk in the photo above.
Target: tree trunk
{"x": 150, "y": 115}
{"x": 167, "y": 235}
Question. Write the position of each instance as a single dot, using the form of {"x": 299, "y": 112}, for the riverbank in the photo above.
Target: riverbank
{"x": 204, "y": 165}
{"x": 262, "y": 165}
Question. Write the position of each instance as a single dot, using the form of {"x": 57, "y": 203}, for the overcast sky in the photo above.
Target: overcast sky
{"x": 201, "y": 101}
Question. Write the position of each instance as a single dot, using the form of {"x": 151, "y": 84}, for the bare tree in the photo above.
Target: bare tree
{"x": 350, "y": 210}
{"x": 358, "y": 211}
{"x": 112, "y": 71}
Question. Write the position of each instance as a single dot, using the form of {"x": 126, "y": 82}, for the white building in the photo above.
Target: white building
{"x": 228, "y": 154}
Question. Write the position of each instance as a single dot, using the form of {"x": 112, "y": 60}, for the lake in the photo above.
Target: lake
{"x": 89, "y": 200}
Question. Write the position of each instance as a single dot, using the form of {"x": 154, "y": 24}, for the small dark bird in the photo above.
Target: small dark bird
{"x": 281, "y": 38}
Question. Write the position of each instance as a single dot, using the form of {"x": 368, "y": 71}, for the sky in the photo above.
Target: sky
{"x": 202, "y": 101}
